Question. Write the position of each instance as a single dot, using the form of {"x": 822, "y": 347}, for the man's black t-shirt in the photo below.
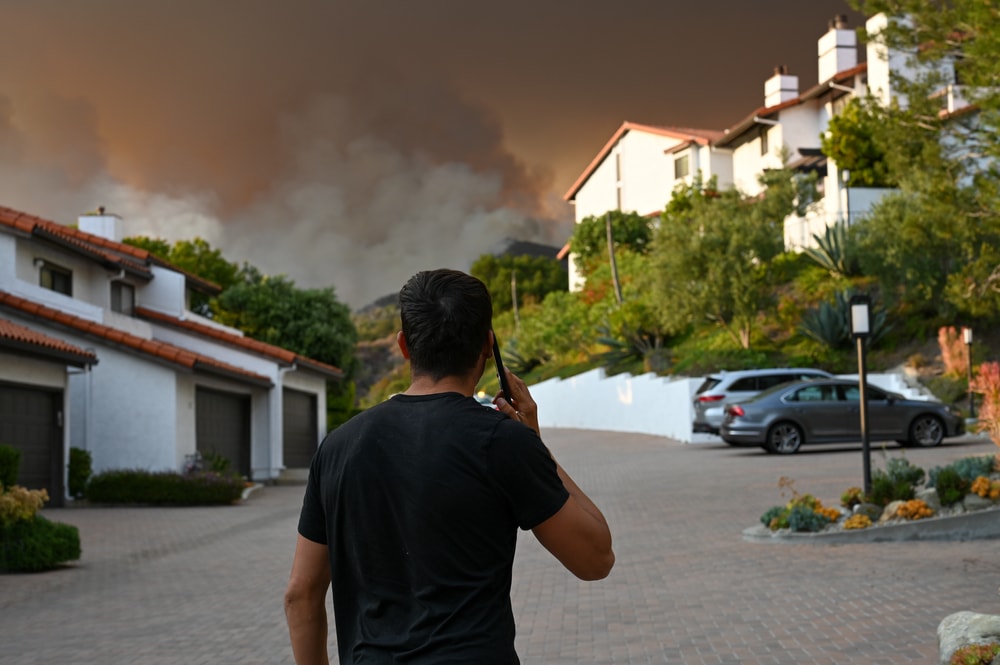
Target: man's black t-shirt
{"x": 419, "y": 500}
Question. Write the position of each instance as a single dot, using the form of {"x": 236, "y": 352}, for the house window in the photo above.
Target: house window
{"x": 122, "y": 298}
{"x": 56, "y": 278}
{"x": 682, "y": 167}
{"x": 763, "y": 142}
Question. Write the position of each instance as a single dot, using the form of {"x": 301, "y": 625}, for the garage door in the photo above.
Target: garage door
{"x": 30, "y": 421}
{"x": 299, "y": 428}
{"x": 223, "y": 427}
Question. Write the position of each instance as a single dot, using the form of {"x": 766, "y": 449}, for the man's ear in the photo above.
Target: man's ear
{"x": 401, "y": 342}
{"x": 488, "y": 349}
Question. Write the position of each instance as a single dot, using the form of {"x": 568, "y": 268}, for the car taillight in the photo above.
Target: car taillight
{"x": 736, "y": 410}
{"x": 711, "y": 398}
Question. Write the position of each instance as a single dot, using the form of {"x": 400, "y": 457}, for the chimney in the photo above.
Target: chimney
{"x": 837, "y": 49}
{"x": 101, "y": 223}
{"x": 780, "y": 87}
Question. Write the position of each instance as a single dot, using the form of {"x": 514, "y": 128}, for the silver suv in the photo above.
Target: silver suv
{"x": 724, "y": 388}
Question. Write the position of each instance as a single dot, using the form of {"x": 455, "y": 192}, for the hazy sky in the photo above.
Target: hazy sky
{"x": 350, "y": 143}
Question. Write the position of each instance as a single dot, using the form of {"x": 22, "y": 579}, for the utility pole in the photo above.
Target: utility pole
{"x": 611, "y": 258}
{"x": 513, "y": 297}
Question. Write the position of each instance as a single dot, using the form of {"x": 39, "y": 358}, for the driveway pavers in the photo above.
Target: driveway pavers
{"x": 204, "y": 585}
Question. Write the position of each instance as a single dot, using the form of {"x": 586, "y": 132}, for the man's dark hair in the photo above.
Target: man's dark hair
{"x": 447, "y": 316}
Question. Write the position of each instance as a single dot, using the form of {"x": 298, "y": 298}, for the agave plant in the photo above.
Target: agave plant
{"x": 829, "y": 323}
{"x": 833, "y": 252}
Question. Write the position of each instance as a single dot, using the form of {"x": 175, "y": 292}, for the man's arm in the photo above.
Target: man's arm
{"x": 305, "y": 603}
{"x": 577, "y": 535}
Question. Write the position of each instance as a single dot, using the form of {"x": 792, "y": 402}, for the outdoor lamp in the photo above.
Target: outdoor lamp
{"x": 967, "y": 338}
{"x": 860, "y": 309}
{"x": 861, "y": 329}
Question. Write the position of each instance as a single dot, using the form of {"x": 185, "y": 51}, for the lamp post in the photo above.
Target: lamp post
{"x": 860, "y": 329}
{"x": 845, "y": 177}
{"x": 967, "y": 338}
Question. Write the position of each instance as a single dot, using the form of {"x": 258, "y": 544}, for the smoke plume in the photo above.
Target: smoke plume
{"x": 285, "y": 134}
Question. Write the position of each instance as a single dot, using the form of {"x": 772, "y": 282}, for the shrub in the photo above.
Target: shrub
{"x": 18, "y": 504}
{"x": 986, "y": 488}
{"x": 914, "y": 509}
{"x": 987, "y": 383}
{"x": 37, "y": 544}
{"x": 216, "y": 462}
{"x": 10, "y": 463}
{"x": 80, "y": 470}
{"x": 968, "y": 468}
{"x": 164, "y": 488}
{"x": 950, "y": 486}
{"x": 803, "y": 518}
{"x": 852, "y": 496}
{"x": 900, "y": 469}
{"x": 885, "y": 490}
{"x": 897, "y": 482}
{"x": 775, "y": 518}
{"x": 975, "y": 654}
{"x": 858, "y": 521}
{"x": 954, "y": 355}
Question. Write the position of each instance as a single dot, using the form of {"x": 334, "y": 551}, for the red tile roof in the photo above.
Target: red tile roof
{"x": 262, "y": 348}
{"x": 740, "y": 128}
{"x": 175, "y": 355}
{"x": 117, "y": 255}
{"x": 19, "y": 338}
{"x": 698, "y": 136}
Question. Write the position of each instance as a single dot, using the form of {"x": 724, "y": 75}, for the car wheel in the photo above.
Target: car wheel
{"x": 783, "y": 438}
{"x": 926, "y": 431}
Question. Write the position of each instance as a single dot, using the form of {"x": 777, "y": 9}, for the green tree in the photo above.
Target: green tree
{"x": 536, "y": 277}
{"x": 271, "y": 309}
{"x": 713, "y": 251}
{"x": 944, "y": 224}
{"x": 853, "y": 141}
{"x": 310, "y": 322}
{"x": 629, "y": 230}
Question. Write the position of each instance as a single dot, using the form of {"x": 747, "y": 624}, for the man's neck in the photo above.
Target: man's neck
{"x": 426, "y": 385}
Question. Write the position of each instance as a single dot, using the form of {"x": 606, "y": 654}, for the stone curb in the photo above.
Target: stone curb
{"x": 981, "y": 524}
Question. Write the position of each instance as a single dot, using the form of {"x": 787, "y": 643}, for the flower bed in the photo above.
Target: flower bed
{"x": 957, "y": 502}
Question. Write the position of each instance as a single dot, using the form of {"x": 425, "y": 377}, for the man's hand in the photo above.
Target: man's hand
{"x": 526, "y": 411}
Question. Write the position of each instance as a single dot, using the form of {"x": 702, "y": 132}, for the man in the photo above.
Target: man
{"x": 412, "y": 507}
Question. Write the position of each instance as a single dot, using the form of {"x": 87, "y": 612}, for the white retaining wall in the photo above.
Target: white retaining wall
{"x": 645, "y": 404}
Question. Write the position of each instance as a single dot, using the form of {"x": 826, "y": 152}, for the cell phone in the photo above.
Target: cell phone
{"x": 501, "y": 375}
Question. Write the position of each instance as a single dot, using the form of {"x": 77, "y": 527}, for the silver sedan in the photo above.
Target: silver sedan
{"x": 783, "y": 419}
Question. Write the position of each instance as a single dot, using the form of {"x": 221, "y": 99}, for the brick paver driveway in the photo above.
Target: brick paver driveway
{"x": 204, "y": 585}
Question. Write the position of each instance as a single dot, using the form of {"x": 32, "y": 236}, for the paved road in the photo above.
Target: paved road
{"x": 204, "y": 585}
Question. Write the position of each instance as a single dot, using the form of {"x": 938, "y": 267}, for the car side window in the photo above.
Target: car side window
{"x": 809, "y": 394}
{"x": 745, "y": 384}
{"x": 771, "y": 380}
{"x": 851, "y": 393}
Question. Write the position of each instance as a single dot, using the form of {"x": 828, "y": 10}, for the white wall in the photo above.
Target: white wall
{"x": 646, "y": 404}
{"x": 623, "y": 403}
{"x": 165, "y": 293}
{"x": 132, "y": 423}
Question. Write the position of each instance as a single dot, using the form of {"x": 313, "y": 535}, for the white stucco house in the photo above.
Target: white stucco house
{"x": 99, "y": 351}
{"x": 639, "y": 167}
